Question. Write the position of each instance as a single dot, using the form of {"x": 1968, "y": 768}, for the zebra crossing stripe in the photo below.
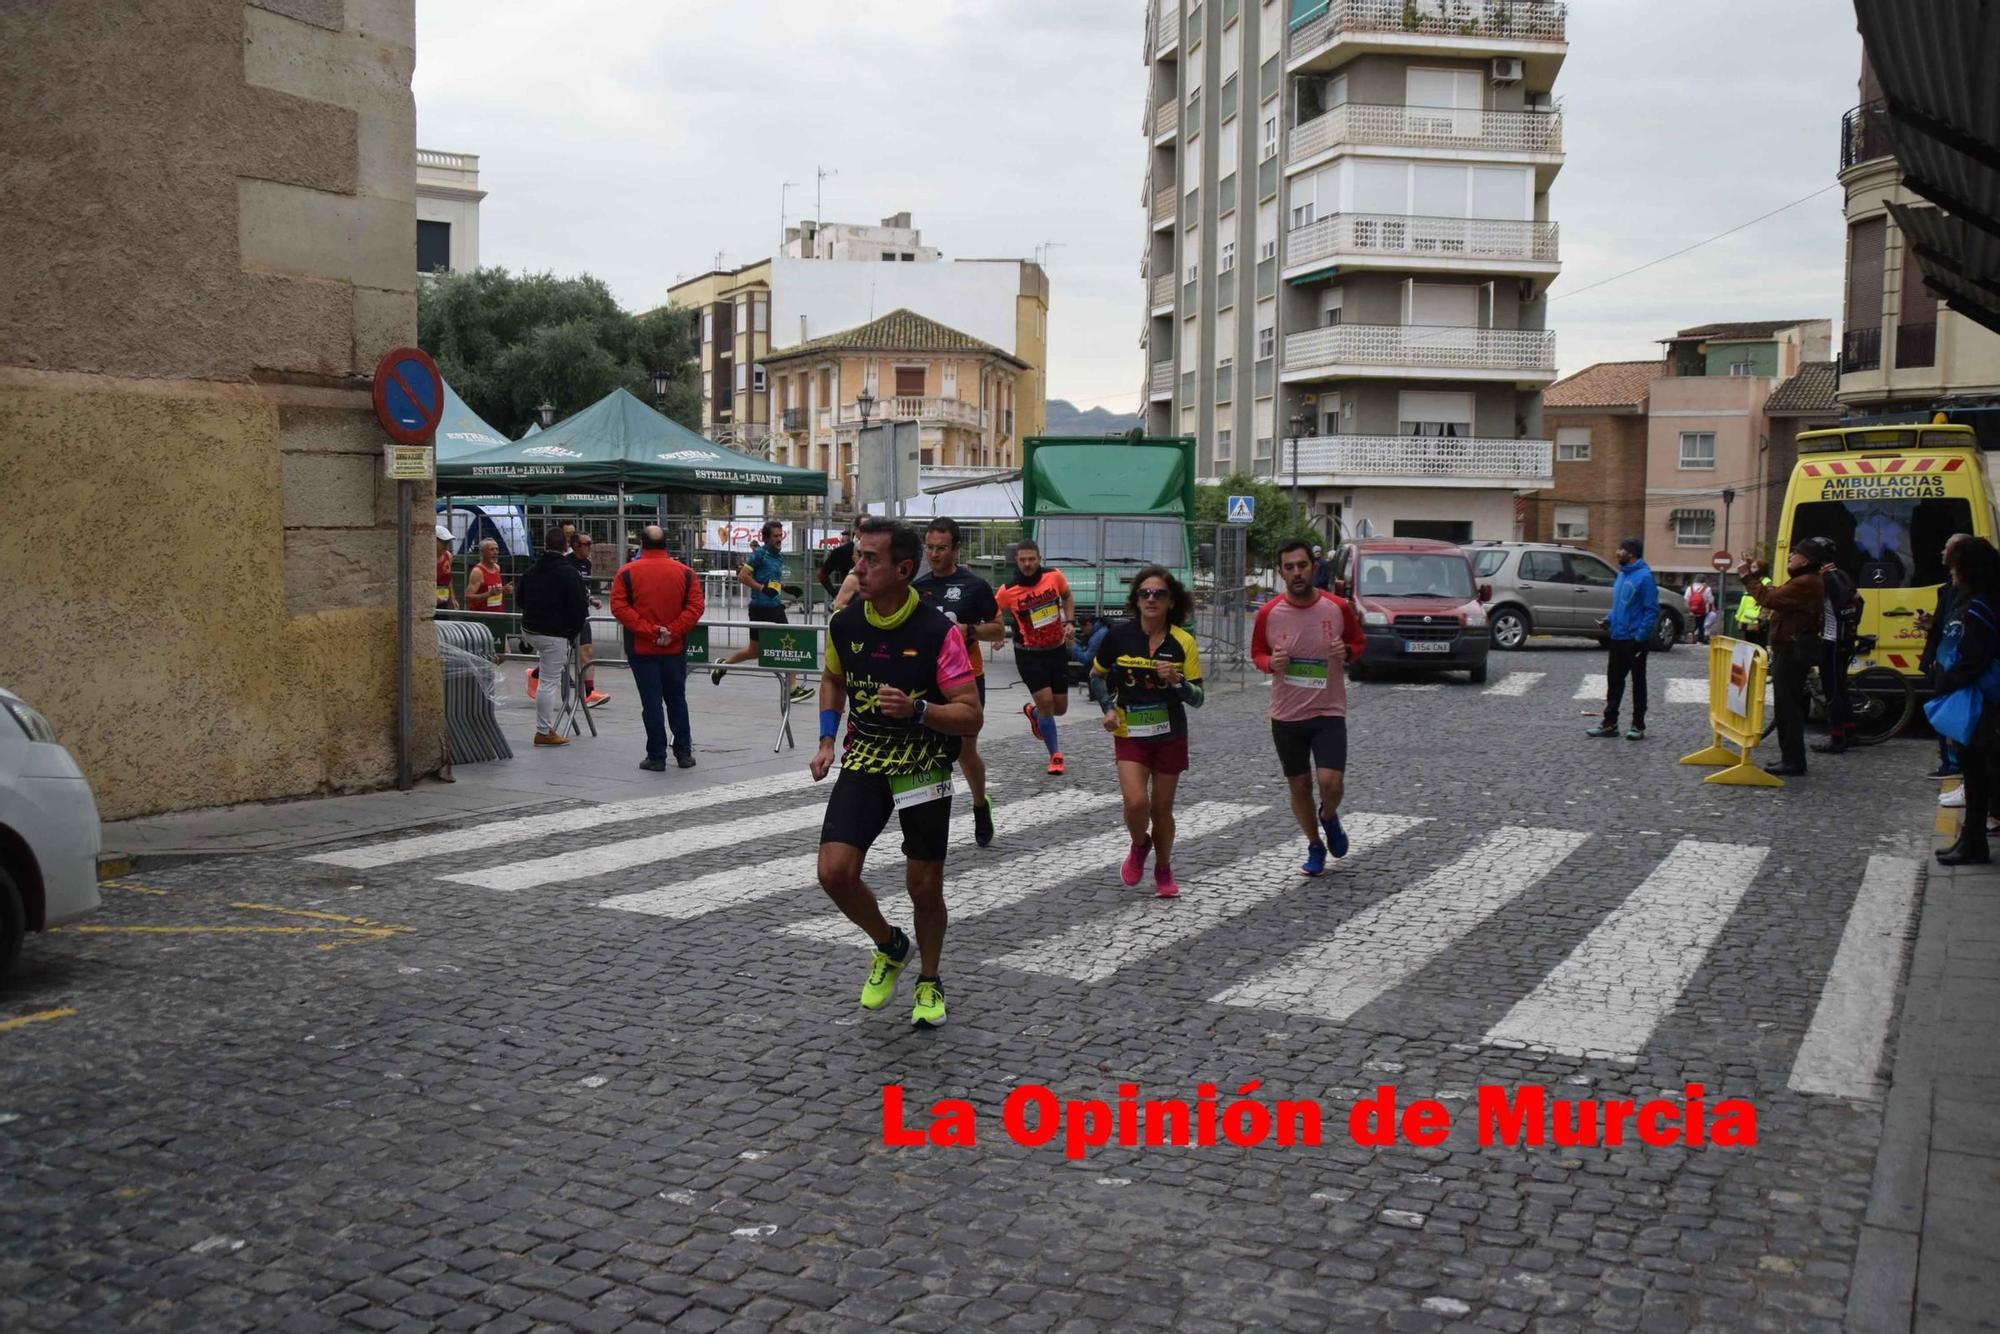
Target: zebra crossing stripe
{"x": 1384, "y": 945}
{"x": 730, "y": 889}
{"x": 627, "y": 853}
{"x": 1515, "y": 683}
{"x": 1629, "y": 973}
{"x": 1842, "y": 1050}
{"x": 983, "y": 889}
{"x": 1094, "y": 950}
{"x": 1679, "y": 689}
{"x": 476, "y": 838}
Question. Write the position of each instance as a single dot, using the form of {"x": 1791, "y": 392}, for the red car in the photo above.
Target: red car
{"x": 1419, "y": 604}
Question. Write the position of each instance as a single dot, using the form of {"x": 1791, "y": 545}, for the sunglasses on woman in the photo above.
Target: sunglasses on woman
{"x": 1154, "y": 594}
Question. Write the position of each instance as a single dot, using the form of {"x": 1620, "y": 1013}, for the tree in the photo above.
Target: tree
{"x": 1277, "y": 522}
{"x": 508, "y": 343}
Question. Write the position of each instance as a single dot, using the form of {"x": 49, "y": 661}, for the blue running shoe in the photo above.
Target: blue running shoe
{"x": 1315, "y": 860}
{"x": 1336, "y": 837}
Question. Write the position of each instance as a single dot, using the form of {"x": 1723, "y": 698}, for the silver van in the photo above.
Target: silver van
{"x": 1545, "y": 588}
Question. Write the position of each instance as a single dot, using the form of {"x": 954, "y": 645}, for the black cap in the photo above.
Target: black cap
{"x": 1633, "y": 545}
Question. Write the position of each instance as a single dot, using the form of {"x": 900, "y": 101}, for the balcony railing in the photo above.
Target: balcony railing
{"x": 1166, "y": 118}
{"x": 792, "y": 419}
{"x": 1440, "y": 346}
{"x": 1864, "y": 134}
{"x": 1427, "y": 127}
{"x": 1166, "y": 27}
{"x": 931, "y": 411}
{"x": 1916, "y": 345}
{"x": 1426, "y": 238}
{"x": 1163, "y": 204}
{"x": 1163, "y": 379}
{"x": 1506, "y": 20}
{"x": 1163, "y": 290}
{"x": 427, "y": 157}
{"x": 1521, "y": 463}
{"x": 1861, "y": 349}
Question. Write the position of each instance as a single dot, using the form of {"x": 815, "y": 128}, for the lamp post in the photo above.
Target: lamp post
{"x": 545, "y": 415}
{"x": 662, "y": 380}
{"x": 865, "y": 401}
{"x": 1298, "y": 425}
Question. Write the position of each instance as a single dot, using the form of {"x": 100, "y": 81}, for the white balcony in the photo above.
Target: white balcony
{"x": 928, "y": 411}
{"x": 1389, "y": 240}
{"x": 1166, "y": 119}
{"x": 1421, "y": 350}
{"x": 1534, "y": 29}
{"x": 1163, "y": 291}
{"x": 1445, "y": 130}
{"x": 1393, "y": 460}
{"x": 1163, "y": 380}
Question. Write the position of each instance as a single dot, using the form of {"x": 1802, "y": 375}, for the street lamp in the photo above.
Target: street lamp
{"x": 662, "y": 378}
{"x": 866, "y": 402}
{"x": 1298, "y": 425}
{"x": 546, "y": 415}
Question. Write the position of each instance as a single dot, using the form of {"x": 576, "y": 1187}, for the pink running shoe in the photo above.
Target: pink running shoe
{"x": 1135, "y": 862}
{"x": 1163, "y": 884}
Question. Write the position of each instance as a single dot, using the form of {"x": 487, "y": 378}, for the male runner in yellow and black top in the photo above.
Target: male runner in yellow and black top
{"x": 967, "y": 602}
{"x": 902, "y": 666}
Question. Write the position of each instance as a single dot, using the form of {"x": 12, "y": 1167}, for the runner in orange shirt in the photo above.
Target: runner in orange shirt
{"x": 1044, "y": 612}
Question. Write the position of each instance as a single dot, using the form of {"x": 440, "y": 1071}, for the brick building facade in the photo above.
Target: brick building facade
{"x": 1598, "y": 420}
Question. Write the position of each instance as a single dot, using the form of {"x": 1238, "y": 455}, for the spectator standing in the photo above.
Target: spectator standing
{"x": 1090, "y": 633}
{"x": 839, "y": 563}
{"x": 1932, "y": 624}
{"x": 1635, "y": 612}
{"x": 658, "y": 600}
{"x": 1792, "y": 613}
{"x": 554, "y": 604}
{"x": 1700, "y": 601}
{"x": 1975, "y": 573}
{"x": 1840, "y": 622}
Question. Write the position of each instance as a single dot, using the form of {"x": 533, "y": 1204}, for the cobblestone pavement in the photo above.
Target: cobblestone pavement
{"x": 601, "y": 1067}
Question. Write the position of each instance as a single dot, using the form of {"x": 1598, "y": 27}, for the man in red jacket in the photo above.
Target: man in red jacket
{"x": 658, "y": 600}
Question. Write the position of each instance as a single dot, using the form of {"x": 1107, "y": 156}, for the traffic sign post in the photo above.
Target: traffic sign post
{"x": 1243, "y": 509}
{"x": 1722, "y": 560}
{"x": 409, "y": 402}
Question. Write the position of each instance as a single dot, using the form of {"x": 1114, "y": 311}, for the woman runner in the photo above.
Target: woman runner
{"x": 1146, "y": 675}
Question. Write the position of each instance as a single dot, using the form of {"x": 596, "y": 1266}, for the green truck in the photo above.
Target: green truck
{"x": 1103, "y": 507}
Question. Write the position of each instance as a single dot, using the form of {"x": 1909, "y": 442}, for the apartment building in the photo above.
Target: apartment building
{"x": 1598, "y": 420}
{"x": 1708, "y": 457}
{"x": 1901, "y": 351}
{"x": 896, "y": 240}
{"x": 733, "y": 330}
{"x": 962, "y": 392}
{"x": 1349, "y": 248}
{"x": 448, "y": 196}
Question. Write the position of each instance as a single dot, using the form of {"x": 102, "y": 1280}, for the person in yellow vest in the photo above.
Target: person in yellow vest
{"x": 1749, "y": 616}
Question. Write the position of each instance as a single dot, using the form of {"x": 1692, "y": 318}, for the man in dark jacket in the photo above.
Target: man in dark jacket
{"x": 1794, "y": 613}
{"x": 1839, "y": 624}
{"x": 555, "y": 606}
{"x": 1933, "y": 624}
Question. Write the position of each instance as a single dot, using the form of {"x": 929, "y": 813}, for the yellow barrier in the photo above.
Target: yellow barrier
{"x": 1736, "y": 668}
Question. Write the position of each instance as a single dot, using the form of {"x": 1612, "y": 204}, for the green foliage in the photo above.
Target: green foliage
{"x": 508, "y": 342}
{"x": 1277, "y": 521}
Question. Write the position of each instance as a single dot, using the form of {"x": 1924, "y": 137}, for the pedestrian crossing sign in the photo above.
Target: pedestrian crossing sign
{"x": 1243, "y": 509}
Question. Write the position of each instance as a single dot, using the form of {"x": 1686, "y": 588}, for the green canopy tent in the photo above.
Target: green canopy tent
{"x": 462, "y": 431}
{"x": 621, "y": 447}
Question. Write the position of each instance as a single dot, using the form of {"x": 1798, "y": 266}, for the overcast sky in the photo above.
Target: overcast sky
{"x": 634, "y": 139}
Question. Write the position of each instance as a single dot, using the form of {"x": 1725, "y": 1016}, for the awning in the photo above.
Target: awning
{"x": 1934, "y": 59}
{"x": 1692, "y": 514}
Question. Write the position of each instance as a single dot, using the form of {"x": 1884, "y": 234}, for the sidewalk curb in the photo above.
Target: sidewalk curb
{"x": 111, "y": 865}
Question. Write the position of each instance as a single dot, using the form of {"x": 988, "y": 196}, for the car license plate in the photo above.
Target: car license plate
{"x": 1426, "y": 646}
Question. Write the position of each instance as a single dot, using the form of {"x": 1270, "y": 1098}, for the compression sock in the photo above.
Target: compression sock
{"x": 1047, "y": 725}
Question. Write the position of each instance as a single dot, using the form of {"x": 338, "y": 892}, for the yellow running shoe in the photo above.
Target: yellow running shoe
{"x": 883, "y": 971}
{"x": 928, "y": 1012}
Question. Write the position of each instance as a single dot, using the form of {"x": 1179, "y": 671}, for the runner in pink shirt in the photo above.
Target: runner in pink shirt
{"x": 1304, "y": 640}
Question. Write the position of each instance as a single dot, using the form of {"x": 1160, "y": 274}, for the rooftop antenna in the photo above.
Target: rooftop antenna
{"x": 1042, "y": 251}
{"x": 784, "y": 192}
{"x": 819, "y": 205}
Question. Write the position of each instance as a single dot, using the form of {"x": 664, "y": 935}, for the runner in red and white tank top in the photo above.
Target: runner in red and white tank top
{"x": 1305, "y": 640}
{"x": 485, "y": 585}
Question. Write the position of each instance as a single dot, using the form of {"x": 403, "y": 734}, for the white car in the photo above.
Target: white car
{"x": 48, "y": 829}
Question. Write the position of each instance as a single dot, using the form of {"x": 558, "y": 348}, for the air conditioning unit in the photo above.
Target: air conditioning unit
{"x": 1507, "y": 69}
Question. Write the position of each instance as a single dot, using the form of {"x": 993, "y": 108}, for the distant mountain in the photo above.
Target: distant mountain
{"x": 1066, "y": 419}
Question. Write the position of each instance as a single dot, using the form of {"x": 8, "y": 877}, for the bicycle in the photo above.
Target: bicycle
{"x": 1882, "y": 699}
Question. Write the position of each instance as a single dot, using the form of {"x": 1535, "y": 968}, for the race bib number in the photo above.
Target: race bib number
{"x": 1306, "y": 673}
{"x": 918, "y": 789}
{"x": 1148, "y": 722}
{"x": 1040, "y": 618}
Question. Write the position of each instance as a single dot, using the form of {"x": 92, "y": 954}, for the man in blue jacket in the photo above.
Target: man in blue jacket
{"x": 1635, "y": 611}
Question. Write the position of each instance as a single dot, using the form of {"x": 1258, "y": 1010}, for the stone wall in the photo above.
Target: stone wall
{"x": 209, "y": 213}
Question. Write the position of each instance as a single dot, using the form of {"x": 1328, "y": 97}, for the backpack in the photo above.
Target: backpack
{"x": 1697, "y": 600}
{"x": 1845, "y": 600}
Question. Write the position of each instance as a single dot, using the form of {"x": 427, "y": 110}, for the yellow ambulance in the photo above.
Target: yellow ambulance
{"x": 1888, "y": 497}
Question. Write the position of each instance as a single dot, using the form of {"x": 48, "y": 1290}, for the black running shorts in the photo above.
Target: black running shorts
{"x": 1043, "y": 669}
{"x": 1311, "y": 743}
{"x": 859, "y": 810}
{"x": 773, "y": 615}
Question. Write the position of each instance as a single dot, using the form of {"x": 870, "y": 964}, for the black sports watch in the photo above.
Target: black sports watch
{"x": 921, "y": 706}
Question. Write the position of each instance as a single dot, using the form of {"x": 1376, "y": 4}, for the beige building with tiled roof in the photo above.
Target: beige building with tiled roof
{"x": 1806, "y": 402}
{"x": 962, "y": 392}
{"x": 1598, "y": 419}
